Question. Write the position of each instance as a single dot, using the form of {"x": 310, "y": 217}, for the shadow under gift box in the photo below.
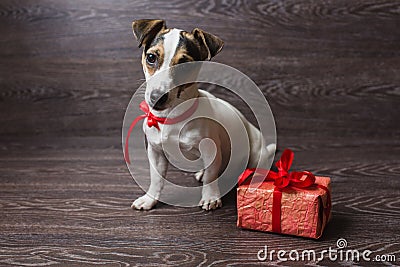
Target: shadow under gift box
{"x": 304, "y": 212}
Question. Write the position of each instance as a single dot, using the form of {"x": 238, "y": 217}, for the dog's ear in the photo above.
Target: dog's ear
{"x": 212, "y": 43}
{"x": 146, "y": 29}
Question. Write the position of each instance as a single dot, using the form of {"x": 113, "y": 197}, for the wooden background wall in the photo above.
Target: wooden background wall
{"x": 330, "y": 71}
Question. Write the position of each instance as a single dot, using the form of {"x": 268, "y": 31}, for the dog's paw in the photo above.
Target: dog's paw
{"x": 210, "y": 197}
{"x": 199, "y": 175}
{"x": 210, "y": 203}
{"x": 144, "y": 203}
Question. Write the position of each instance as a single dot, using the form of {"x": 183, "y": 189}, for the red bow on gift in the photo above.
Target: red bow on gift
{"x": 283, "y": 179}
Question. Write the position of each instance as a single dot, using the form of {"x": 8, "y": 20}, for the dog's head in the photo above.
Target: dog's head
{"x": 163, "y": 48}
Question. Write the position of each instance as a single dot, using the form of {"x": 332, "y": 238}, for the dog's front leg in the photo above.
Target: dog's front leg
{"x": 158, "y": 170}
{"x": 210, "y": 198}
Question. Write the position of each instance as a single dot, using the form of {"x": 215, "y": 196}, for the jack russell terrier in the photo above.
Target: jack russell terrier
{"x": 164, "y": 48}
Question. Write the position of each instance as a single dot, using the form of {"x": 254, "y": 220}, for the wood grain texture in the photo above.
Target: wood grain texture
{"x": 329, "y": 69}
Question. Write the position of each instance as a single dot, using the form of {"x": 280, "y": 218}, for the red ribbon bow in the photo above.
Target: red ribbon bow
{"x": 284, "y": 179}
{"x": 153, "y": 121}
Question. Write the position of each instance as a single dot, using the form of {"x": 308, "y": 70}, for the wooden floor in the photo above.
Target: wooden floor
{"x": 329, "y": 69}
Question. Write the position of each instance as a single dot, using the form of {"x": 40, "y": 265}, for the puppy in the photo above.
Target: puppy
{"x": 163, "y": 48}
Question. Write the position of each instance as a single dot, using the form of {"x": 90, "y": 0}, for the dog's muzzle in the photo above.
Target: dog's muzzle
{"x": 158, "y": 99}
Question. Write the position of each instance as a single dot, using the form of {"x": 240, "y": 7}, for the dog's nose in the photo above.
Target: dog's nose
{"x": 158, "y": 98}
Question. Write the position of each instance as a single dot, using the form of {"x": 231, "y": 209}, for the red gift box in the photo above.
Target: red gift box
{"x": 294, "y": 203}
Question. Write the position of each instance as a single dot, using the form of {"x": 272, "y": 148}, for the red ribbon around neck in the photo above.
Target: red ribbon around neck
{"x": 284, "y": 179}
{"x": 153, "y": 121}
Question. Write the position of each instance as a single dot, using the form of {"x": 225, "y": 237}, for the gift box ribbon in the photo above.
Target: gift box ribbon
{"x": 153, "y": 121}
{"x": 284, "y": 179}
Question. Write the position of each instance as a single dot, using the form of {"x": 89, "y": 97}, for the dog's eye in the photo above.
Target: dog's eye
{"x": 151, "y": 58}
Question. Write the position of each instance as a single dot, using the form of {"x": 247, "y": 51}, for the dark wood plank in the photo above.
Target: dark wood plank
{"x": 67, "y": 61}
{"x": 329, "y": 69}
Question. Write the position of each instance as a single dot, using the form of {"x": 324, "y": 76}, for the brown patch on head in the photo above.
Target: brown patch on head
{"x": 164, "y": 31}
{"x": 187, "y": 51}
{"x": 192, "y": 46}
{"x": 181, "y": 56}
{"x": 157, "y": 49}
{"x": 187, "y": 35}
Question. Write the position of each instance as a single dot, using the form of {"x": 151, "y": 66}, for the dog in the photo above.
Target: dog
{"x": 163, "y": 48}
